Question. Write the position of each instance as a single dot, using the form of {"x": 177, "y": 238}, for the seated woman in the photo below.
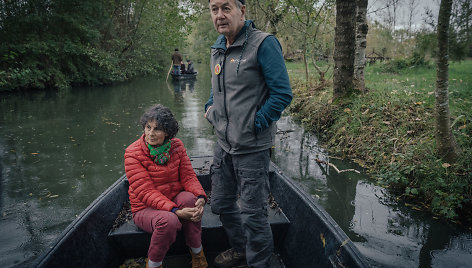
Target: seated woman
{"x": 190, "y": 69}
{"x": 164, "y": 192}
{"x": 182, "y": 67}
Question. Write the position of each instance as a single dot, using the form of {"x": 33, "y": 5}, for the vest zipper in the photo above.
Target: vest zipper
{"x": 224, "y": 103}
{"x": 219, "y": 78}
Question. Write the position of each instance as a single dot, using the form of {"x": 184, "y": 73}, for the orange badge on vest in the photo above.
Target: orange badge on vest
{"x": 217, "y": 69}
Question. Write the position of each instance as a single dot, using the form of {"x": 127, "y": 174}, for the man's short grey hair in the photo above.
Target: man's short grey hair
{"x": 239, "y": 3}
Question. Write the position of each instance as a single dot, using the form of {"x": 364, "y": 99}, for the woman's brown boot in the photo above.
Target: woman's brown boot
{"x": 199, "y": 260}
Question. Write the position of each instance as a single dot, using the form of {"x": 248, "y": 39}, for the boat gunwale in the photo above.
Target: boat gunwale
{"x": 330, "y": 224}
{"x": 43, "y": 259}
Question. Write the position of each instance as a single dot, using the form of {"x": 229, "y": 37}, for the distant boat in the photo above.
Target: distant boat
{"x": 184, "y": 76}
{"x": 104, "y": 234}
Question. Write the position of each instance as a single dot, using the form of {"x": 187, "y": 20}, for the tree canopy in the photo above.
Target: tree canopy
{"x": 63, "y": 43}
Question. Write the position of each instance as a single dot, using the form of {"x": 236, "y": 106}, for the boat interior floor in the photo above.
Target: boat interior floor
{"x": 179, "y": 261}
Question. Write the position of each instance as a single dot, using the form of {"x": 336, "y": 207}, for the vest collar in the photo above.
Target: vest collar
{"x": 240, "y": 38}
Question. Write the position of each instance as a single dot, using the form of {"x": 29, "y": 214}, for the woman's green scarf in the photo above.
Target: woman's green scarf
{"x": 160, "y": 154}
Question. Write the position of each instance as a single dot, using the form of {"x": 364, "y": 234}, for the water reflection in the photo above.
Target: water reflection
{"x": 386, "y": 232}
{"x": 60, "y": 150}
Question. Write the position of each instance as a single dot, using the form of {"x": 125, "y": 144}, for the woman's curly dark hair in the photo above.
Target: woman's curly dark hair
{"x": 164, "y": 118}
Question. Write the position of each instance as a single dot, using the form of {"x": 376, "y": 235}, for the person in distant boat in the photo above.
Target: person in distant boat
{"x": 176, "y": 61}
{"x": 182, "y": 68}
{"x": 250, "y": 89}
{"x": 164, "y": 192}
{"x": 190, "y": 69}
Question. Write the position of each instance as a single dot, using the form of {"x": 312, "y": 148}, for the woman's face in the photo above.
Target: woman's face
{"x": 152, "y": 135}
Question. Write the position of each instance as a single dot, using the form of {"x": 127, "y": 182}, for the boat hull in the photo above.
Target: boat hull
{"x": 309, "y": 237}
{"x": 184, "y": 77}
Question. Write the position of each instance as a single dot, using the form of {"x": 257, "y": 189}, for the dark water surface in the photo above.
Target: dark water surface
{"x": 60, "y": 150}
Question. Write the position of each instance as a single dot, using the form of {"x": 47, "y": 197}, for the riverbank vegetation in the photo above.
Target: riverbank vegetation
{"x": 388, "y": 128}
{"x": 390, "y": 131}
{"x": 59, "y": 44}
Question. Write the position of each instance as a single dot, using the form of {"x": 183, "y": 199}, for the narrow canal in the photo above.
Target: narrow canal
{"x": 60, "y": 150}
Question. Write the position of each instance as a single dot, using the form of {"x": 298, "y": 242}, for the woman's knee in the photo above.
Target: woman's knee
{"x": 185, "y": 199}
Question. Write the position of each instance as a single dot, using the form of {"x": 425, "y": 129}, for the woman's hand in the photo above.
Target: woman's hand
{"x": 192, "y": 214}
{"x": 199, "y": 205}
{"x": 200, "y": 202}
{"x": 206, "y": 113}
{"x": 186, "y": 213}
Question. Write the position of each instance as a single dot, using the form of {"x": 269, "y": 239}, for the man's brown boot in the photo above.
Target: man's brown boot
{"x": 230, "y": 258}
{"x": 199, "y": 260}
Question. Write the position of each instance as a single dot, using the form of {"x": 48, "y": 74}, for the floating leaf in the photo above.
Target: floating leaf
{"x": 446, "y": 165}
{"x": 54, "y": 196}
{"x": 323, "y": 240}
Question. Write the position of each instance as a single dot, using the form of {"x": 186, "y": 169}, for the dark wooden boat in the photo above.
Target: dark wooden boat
{"x": 179, "y": 77}
{"x": 304, "y": 234}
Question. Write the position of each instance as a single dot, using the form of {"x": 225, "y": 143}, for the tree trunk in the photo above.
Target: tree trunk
{"x": 361, "y": 43}
{"x": 447, "y": 147}
{"x": 344, "y": 49}
{"x": 305, "y": 60}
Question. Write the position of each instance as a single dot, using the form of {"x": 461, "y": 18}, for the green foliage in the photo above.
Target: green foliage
{"x": 203, "y": 36}
{"x": 415, "y": 61}
{"x": 460, "y": 30}
{"x": 426, "y": 43}
{"x": 380, "y": 40}
{"x": 58, "y": 44}
{"x": 390, "y": 131}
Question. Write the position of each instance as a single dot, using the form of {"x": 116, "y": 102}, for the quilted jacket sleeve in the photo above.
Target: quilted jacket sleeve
{"x": 188, "y": 178}
{"x": 141, "y": 184}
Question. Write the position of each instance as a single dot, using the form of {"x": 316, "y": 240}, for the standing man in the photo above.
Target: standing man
{"x": 176, "y": 61}
{"x": 250, "y": 89}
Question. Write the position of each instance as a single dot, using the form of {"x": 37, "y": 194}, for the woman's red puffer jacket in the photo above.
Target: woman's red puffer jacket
{"x": 153, "y": 185}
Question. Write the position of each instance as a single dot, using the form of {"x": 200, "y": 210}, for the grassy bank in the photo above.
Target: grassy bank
{"x": 390, "y": 131}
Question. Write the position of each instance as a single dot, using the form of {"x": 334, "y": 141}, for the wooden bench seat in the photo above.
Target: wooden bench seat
{"x": 131, "y": 241}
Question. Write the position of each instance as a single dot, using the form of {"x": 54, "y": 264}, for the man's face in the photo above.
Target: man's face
{"x": 227, "y": 17}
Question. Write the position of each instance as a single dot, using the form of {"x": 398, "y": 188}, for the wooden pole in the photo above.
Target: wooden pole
{"x": 169, "y": 70}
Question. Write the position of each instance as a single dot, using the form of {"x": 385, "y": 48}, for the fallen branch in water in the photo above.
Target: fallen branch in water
{"x": 335, "y": 168}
